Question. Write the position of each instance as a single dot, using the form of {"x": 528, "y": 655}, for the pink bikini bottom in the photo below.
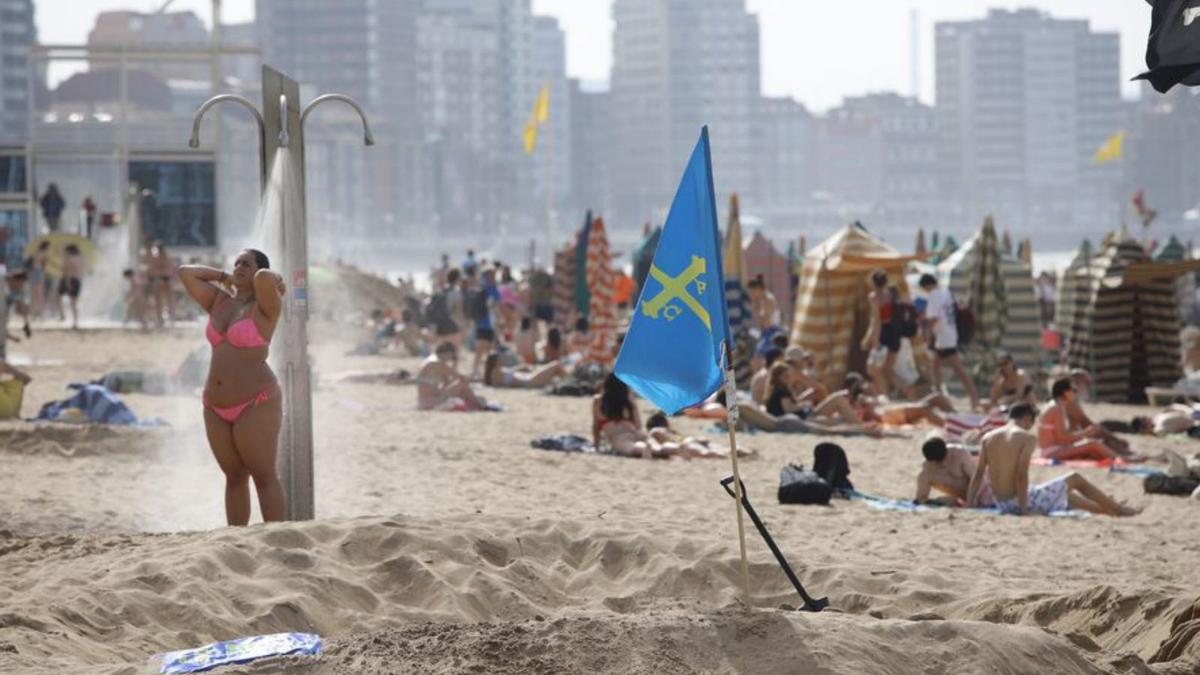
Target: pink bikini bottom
{"x": 233, "y": 412}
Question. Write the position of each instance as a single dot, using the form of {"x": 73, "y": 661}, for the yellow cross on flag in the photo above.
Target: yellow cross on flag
{"x": 1111, "y": 150}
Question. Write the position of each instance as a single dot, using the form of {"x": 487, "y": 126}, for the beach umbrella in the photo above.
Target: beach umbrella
{"x": 1073, "y": 287}
{"x": 1172, "y": 251}
{"x": 735, "y": 269}
{"x": 582, "y": 300}
{"x": 1006, "y": 246}
{"x": 600, "y": 286}
{"x": 934, "y": 241}
{"x": 59, "y": 241}
{"x": 564, "y": 283}
{"x": 920, "y": 241}
{"x": 643, "y": 254}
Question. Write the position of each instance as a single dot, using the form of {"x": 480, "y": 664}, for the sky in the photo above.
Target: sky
{"x": 815, "y": 51}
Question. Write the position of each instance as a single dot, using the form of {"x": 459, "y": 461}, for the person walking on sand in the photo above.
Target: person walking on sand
{"x": 52, "y": 204}
{"x": 243, "y": 408}
{"x": 160, "y": 269}
{"x": 940, "y": 311}
{"x": 71, "y": 283}
{"x": 1004, "y": 462}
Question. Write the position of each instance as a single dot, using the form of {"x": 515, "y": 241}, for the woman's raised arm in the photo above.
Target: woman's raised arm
{"x": 198, "y": 280}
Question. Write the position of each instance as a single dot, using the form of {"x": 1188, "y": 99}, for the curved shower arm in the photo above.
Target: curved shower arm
{"x": 368, "y": 137}
{"x": 194, "y": 141}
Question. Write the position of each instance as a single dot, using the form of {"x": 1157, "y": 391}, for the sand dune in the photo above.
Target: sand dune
{"x": 505, "y": 559}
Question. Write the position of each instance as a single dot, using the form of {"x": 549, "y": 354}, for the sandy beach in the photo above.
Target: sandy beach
{"x": 445, "y": 543}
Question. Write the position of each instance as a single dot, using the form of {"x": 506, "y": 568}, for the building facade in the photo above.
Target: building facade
{"x": 591, "y": 148}
{"x": 677, "y": 65}
{"x": 17, "y": 35}
{"x": 1023, "y": 102}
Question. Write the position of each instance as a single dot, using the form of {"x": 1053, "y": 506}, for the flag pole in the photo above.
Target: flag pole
{"x": 731, "y": 421}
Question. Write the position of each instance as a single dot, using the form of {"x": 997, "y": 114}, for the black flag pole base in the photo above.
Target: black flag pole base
{"x": 811, "y": 604}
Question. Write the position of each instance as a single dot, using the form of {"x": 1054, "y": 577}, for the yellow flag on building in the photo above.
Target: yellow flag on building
{"x": 1111, "y": 150}
{"x": 539, "y": 115}
{"x": 541, "y": 108}
{"x": 530, "y": 136}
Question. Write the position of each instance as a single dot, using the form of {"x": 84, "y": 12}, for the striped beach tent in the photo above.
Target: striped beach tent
{"x": 763, "y": 258}
{"x": 643, "y": 256}
{"x": 999, "y": 289}
{"x": 564, "y": 285}
{"x": 1185, "y": 286}
{"x": 581, "y": 295}
{"x": 599, "y": 274}
{"x": 1068, "y": 281}
{"x": 832, "y": 313}
{"x": 1126, "y": 328}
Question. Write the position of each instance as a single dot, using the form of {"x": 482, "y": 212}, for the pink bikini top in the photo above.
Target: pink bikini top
{"x": 242, "y": 334}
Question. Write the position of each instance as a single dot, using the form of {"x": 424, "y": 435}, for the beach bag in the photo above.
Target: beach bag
{"x": 1162, "y": 484}
{"x": 797, "y": 486}
{"x": 830, "y": 463}
{"x": 964, "y": 322}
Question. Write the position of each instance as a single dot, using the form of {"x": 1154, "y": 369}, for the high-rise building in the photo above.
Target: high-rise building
{"x": 548, "y": 68}
{"x": 17, "y": 35}
{"x": 591, "y": 148}
{"x": 1023, "y": 101}
{"x": 364, "y": 49}
{"x": 784, "y": 166}
{"x": 678, "y": 65}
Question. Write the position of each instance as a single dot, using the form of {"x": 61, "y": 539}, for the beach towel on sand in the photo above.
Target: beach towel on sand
{"x": 883, "y": 504}
{"x": 563, "y": 443}
{"x": 97, "y": 404}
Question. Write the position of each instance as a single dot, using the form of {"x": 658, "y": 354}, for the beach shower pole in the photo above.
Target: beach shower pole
{"x": 281, "y": 125}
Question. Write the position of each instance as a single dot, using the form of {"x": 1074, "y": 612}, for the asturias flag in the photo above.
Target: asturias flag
{"x": 672, "y": 353}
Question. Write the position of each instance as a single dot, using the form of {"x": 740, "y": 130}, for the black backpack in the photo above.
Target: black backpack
{"x": 1162, "y": 484}
{"x": 904, "y": 315}
{"x": 830, "y": 463}
{"x": 797, "y": 486}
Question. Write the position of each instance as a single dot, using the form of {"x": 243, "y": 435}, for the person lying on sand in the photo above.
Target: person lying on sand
{"x": 397, "y": 376}
{"x": 948, "y": 469}
{"x": 495, "y": 374}
{"x": 1059, "y": 438}
{"x": 754, "y": 417}
{"x": 783, "y": 399}
{"x": 1004, "y": 461}
{"x": 758, "y": 382}
{"x": 1180, "y": 417}
{"x": 1012, "y": 385}
{"x": 440, "y": 387}
{"x": 675, "y": 444}
{"x": 871, "y": 406}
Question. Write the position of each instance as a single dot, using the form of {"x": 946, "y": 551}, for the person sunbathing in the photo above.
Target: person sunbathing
{"x": 1004, "y": 461}
{"x": 1012, "y": 385}
{"x": 871, "y": 406}
{"x": 495, "y": 374}
{"x": 1058, "y": 438}
{"x": 1082, "y": 381}
{"x": 675, "y": 444}
{"x": 615, "y": 418}
{"x": 1180, "y": 417}
{"x": 948, "y": 469}
{"x": 753, "y": 416}
{"x": 440, "y": 387}
{"x": 758, "y": 383}
{"x": 787, "y": 395}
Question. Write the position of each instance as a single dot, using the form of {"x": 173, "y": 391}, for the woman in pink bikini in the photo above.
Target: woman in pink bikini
{"x": 242, "y": 408}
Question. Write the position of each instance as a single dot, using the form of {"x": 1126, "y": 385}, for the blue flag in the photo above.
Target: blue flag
{"x": 672, "y": 351}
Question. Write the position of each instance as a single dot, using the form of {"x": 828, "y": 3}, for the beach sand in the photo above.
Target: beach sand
{"x": 444, "y": 543}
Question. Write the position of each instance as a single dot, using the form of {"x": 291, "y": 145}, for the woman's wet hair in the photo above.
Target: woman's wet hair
{"x": 615, "y": 403}
{"x": 261, "y": 261}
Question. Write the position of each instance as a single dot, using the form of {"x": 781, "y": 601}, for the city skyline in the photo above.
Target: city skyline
{"x": 786, "y": 37}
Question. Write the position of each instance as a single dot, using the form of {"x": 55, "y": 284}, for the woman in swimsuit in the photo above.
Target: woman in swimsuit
{"x": 495, "y": 374}
{"x": 160, "y": 268}
{"x": 242, "y": 407}
{"x": 1012, "y": 384}
{"x": 615, "y": 418}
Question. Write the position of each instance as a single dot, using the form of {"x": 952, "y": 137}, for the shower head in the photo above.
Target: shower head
{"x": 368, "y": 137}
{"x": 283, "y": 133}
{"x": 194, "y": 141}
